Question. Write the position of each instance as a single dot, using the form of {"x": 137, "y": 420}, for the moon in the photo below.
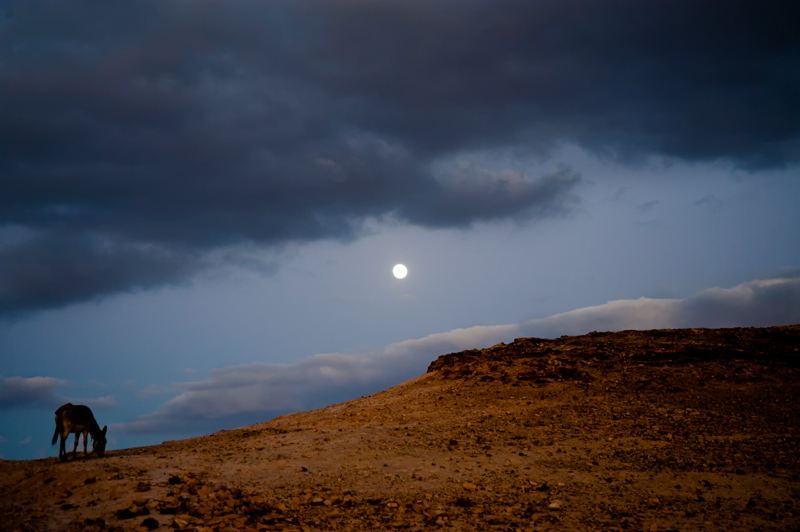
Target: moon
{"x": 400, "y": 271}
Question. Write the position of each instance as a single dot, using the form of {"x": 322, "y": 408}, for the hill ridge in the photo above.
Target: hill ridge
{"x": 685, "y": 429}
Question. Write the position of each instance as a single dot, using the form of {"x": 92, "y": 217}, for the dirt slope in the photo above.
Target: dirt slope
{"x": 692, "y": 429}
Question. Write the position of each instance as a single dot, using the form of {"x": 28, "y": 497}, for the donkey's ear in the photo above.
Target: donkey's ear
{"x": 105, "y": 428}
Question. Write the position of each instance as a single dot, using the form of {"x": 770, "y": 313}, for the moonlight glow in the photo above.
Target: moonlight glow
{"x": 399, "y": 271}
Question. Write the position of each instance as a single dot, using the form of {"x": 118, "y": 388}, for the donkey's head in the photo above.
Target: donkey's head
{"x": 99, "y": 442}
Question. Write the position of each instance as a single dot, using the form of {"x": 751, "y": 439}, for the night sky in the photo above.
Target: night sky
{"x": 201, "y": 202}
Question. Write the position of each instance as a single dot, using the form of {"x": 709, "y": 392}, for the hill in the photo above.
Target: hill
{"x": 691, "y": 429}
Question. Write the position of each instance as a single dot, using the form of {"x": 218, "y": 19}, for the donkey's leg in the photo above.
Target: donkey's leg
{"x": 62, "y": 451}
{"x": 75, "y": 447}
{"x": 85, "y": 441}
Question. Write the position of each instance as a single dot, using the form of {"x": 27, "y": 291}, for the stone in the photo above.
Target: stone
{"x": 149, "y": 523}
{"x": 124, "y": 513}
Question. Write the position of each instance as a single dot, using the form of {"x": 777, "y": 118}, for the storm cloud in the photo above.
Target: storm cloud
{"x": 250, "y": 393}
{"x": 137, "y": 138}
{"x": 17, "y": 392}
{"x": 40, "y": 392}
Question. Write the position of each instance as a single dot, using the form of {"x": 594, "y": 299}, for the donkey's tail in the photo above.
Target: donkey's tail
{"x": 59, "y": 425}
{"x": 59, "y": 422}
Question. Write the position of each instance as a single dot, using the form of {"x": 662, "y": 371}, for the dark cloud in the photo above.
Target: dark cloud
{"x": 644, "y": 208}
{"x": 40, "y": 392}
{"x": 53, "y": 270}
{"x": 16, "y": 392}
{"x": 138, "y": 136}
{"x": 709, "y": 200}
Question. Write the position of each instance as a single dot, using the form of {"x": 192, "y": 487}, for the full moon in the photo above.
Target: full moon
{"x": 399, "y": 271}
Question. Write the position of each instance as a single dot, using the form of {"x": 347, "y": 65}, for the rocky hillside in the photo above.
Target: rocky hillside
{"x": 637, "y": 430}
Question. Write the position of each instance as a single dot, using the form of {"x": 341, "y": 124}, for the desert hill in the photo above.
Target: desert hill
{"x": 691, "y": 429}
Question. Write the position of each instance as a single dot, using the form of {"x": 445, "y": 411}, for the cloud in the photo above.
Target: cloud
{"x": 759, "y": 303}
{"x": 155, "y": 389}
{"x": 267, "y": 390}
{"x": 98, "y": 403}
{"x": 18, "y": 392}
{"x": 52, "y": 270}
{"x": 40, "y": 392}
{"x": 710, "y": 202}
{"x": 785, "y": 273}
{"x": 139, "y": 138}
{"x": 644, "y": 208}
{"x": 255, "y": 392}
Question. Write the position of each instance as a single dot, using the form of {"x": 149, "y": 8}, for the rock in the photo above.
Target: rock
{"x": 124, "y": 513}
{"x": 555, "y": 505}
{"x": 179, "y": 523}
{"x": 149, "y": 524}
{"x": 464, "y": 502}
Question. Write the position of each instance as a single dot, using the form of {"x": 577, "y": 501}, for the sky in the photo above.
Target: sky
{"x": 201, "y": 202}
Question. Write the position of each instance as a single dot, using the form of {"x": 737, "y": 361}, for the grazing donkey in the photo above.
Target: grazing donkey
{"x": 78, "y": 419}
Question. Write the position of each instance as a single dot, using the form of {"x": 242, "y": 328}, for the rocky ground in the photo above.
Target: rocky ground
{"x": 693, "y": 429}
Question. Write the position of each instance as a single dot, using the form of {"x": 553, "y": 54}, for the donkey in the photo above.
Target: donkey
{"x": 78, "y": 419}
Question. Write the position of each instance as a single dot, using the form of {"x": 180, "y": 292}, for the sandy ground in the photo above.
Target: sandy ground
{"x": 637, "y": 431}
